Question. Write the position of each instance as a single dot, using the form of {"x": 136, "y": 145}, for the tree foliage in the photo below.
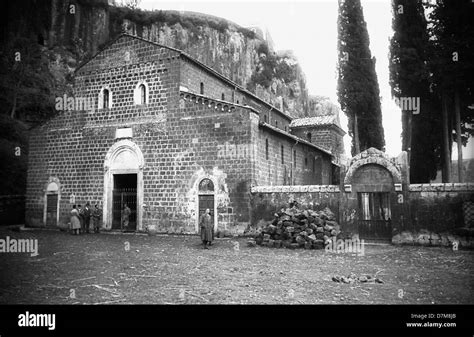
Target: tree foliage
{"x": 410, "y": 77}
{"x": 431, "y": 54}
{"x": 358, "y": 89}
{"x": 452, "y": 32}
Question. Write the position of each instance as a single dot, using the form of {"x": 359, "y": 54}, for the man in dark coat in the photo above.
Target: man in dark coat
{"x": 207, "y": 229}
{"x": 96, "y": 218}
{"x": 87, "y": 216}
{"x": 80, "y": 211}
{"x": 126, "y": 216}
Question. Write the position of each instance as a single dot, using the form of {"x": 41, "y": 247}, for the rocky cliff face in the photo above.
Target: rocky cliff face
{"x": 71, "y": 32}
{"x": 234, "y": 51}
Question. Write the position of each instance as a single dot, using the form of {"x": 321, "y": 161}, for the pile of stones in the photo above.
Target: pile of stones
{"x": 352, "y": 278}
{"x": 295, "y": 228}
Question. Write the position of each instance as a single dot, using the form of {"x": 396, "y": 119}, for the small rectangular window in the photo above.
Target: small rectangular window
{"x": 265, "y": 118}
{"x": 282, "y": 154}
{"x": 294, "y": 158}
{"x": 223, "y": 96}
{"x": 266, "y": 149}
{"x": 202, "y": 88}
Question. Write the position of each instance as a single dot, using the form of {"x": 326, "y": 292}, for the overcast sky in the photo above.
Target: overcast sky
{"x": 309, "y": 28}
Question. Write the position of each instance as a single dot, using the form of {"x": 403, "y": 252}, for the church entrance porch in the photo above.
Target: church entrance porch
{"x": 124, "y": 193}
{"x": 123, "y": 184}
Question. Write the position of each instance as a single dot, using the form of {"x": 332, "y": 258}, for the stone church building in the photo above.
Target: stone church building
{"x": 170, "y": 137}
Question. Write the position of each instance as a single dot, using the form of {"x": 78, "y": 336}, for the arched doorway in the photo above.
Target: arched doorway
{"x": 51, "y": 205}
{"x": 371, "y": 178}
{"x": 123, "y": 185}
{"x": 374, "y": 186}
{"x": 206, "y": 199}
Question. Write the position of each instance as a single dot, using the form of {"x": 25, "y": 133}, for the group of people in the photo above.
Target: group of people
{"x": 81, "y": 218}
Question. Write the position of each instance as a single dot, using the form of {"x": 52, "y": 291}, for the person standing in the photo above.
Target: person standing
{"x": 207, "y": 228}
{"x": 87, "y": 216}
{"x": 75, "y": 221}
{"x": 81, "y": 217}
{"x": 96, "y": 218}
{"x": 125, "y": 216}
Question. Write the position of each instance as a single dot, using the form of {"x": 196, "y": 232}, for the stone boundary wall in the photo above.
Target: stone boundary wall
{"x": 265, "y": 201}
{"x": 424, "y": 208}
{"x": 441, "y": 187}
{"x": 296, "y": 189}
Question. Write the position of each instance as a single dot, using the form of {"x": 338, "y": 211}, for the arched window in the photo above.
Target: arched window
{"x": 223, "y": 96}
{"x": 308, "y": 135}
{"x": 142, "y": 94}
{"x": 105, "y": 99}
{"x": 206, "y": 186}
{"x": 265, "y": 118}
{"x": 202, "y": 88}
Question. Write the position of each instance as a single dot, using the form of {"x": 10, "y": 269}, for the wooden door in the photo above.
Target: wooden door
{"x": 51, "y": 209}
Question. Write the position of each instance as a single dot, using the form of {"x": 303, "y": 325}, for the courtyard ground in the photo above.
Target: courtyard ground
{"x": 142, "y": 269}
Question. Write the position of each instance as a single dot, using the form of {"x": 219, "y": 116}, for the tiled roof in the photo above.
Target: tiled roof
{"x": 318, "y": 120}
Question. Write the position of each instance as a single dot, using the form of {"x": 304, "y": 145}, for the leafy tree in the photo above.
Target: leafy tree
{"x": 410, "y": 78}
{"x": 358, "y": 89}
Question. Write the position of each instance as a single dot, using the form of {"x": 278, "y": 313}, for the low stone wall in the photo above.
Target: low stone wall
{"x": 437, "y": 207}
{"x": 425, "y": 214}
{"x": 268, "y": 200}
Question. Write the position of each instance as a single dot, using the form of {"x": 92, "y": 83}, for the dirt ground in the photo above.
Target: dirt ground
{"x": 142, "y": 269}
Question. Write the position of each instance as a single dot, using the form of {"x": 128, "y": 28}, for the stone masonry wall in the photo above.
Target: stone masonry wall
{"x": 192, "y": 76}
{"x": 71, "y": 147}
{"x": 437, "y": 207}
{"x": 324, "y": 136}
{"x": 424, "y": 208}
{"x": 312, "y": 166}
{"x": 266, "y": 200}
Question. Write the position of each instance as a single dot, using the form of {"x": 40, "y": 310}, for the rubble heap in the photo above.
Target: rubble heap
{"x": 295, "y": 228}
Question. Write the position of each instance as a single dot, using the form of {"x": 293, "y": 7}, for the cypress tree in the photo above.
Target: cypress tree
{"x": 452, "y": 33}
{"x": 410, "y": 79}
{"x": 358, "y": 89}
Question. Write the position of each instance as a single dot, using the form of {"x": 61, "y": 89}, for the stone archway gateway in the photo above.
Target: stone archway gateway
{"x": 123, "y": 184}
{"x": 371, "y": 179}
